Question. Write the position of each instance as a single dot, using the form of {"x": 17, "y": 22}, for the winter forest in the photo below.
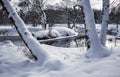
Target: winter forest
{"x": 59, "y": 38}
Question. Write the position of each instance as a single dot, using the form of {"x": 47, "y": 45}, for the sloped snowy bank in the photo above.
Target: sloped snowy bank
{"x": 13, "y": 63}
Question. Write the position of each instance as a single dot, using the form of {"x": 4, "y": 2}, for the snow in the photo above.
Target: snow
{"x": 11, "y": 31}
{"x": 56, "y": 36}
{"x": 55, "y": 32}
{"x": 32, "y": 44}
{"x": 105, "y": 19}
{"x": 96, "y": 50}
{"x": 70, "y": 62}
{"x": 62, "y": 62}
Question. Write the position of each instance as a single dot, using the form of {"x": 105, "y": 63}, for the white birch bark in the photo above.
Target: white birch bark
{"x": 32, "y": 44}
{"x": 96, "y": 49}
{"x": 105, "y": 18}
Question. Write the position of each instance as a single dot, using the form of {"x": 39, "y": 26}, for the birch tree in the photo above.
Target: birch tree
{"x": 105, "y": 19}
{"x": 96, "y": 49}
{"x": 32, "y": 44}
{"x": 43, "y": 14}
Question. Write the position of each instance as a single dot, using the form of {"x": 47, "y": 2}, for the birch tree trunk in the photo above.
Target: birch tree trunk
{"x": 96, "y": 49}
{"x": 32, "y": 44}
{"x": 105, "y": 18}
{"x": 43, "y": 14}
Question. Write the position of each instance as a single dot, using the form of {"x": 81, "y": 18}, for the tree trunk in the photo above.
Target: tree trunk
{"x": 105, "y": 18}
{"x": 43, "y": 14}
{"x": 32, "y": 44}
{"x": 96, "y": 49}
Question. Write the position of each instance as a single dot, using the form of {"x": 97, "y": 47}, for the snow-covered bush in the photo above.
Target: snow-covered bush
{"x": 118, "y": 36}
{"x": 80, "y": 29}
{"x": 112, "y": 31}
{"x": 55, "y": 32}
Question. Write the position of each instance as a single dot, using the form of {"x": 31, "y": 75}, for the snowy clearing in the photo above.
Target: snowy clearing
{"x": 59, "y": 50}
{"x": 70, "y": 62}
{"x": 14, "y": 63}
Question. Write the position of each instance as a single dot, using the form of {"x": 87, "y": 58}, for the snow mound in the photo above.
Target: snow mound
{"x": 70, "y": 62}
{"x": 98, "y": 53}
{"x": 65, "y": 31}
{"x": 54, "y": 33}
{"x": 9, "y": 53}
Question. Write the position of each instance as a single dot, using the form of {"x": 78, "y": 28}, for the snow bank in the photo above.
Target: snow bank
{"x": 11, "y": 31}
{"x": 9, "y": 53}
{"x": 54, "y": 33}
{"x": 74, "y": 64}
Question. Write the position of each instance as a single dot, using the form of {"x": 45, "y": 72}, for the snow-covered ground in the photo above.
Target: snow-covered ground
{"x": 8, "y": 30}
{"x": 71, "y": 62}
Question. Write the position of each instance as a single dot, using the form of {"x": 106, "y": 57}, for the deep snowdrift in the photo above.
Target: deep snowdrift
{"x": 14, "y": 63}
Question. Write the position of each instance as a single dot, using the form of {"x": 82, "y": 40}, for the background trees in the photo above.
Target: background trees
{"x": 59, "y": 16}
{"x": 115, "y": 15}
{"x": 35, "y": 11}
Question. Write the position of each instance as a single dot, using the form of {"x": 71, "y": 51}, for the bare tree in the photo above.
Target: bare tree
{"x": 115, "y": 15}
{"x": 36, "y": 8}
{"x": 43, "y": 14}
{"x": 96, "y": 49}
{"x": 105, "y": 19}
